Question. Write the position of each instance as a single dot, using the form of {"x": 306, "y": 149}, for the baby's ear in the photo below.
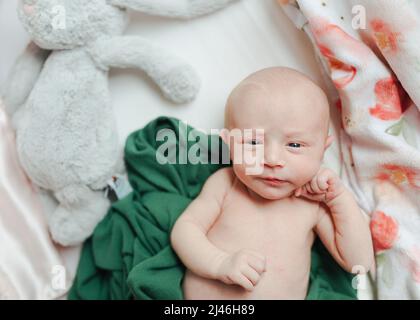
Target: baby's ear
{"x": 328, "y": 142}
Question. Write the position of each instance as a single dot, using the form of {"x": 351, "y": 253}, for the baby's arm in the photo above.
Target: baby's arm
{"x": 189, "y": 239}
{"x": 345, "y": 233}
{"x": 341, "y": 225}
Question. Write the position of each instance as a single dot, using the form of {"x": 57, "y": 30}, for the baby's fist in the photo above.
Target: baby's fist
{"x": 243, "y": 268}
{"x": 325, "y": 186}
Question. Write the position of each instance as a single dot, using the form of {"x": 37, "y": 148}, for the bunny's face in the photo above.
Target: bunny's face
{"x": 66, "y": 24}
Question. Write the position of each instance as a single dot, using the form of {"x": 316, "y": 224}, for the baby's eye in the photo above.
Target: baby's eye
{"x": 294, "y": 145}
{"x": 254, "y": 142}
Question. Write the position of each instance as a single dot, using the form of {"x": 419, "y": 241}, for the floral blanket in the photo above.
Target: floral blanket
{"x": 369, "y": 51}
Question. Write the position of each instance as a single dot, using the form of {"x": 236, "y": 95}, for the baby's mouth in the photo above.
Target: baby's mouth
{"x": 272, "y": 181}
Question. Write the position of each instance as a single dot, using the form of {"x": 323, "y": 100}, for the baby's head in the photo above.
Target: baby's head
{"x": 278, "y": 118}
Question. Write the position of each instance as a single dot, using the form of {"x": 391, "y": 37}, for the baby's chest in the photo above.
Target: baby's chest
{"x": 266, "y": 229}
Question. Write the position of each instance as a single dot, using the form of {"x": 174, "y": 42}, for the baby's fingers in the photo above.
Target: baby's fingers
{"x": 242, "y": 281}
{"x": 308, "y": 190}
{"x": 314, "y": 186}
{"x": 251, "y": 275}
{"x": 310, "y": 194}
{"x": 257, "y": 263}
{"x": 323, "y": 182}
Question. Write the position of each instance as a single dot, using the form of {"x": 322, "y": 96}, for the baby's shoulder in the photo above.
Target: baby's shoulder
{"x": 219, "y": 182}
{"x": 224, "y": 176}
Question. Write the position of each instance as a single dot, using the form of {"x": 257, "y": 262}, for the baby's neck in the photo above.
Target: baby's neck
{"x": 261, "y": 200}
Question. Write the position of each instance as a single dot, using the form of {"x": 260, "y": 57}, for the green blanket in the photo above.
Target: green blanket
{"x": 129, "y": 255}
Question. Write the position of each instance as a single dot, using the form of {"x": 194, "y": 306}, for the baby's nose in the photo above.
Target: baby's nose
{"x": 272, "y": 164}
{"x": 273, "y": 157}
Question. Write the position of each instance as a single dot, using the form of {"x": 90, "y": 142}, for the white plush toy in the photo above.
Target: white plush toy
{"x": 58, "y": 96}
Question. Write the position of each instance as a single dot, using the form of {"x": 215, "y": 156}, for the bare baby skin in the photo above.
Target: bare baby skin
{"x": 249, "y": 236}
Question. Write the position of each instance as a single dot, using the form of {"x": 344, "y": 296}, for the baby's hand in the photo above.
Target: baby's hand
{"x": 243, "y": 268}
{"x": 325, "y": 186}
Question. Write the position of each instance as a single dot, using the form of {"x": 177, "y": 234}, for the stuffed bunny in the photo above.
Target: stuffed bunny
{"x": 58, "y": 96}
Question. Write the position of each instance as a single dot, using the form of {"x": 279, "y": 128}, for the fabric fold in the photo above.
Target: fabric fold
{"x": 30, "y": 264}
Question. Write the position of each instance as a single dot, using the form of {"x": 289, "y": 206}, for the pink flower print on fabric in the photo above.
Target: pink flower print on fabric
{"x": 391, "y": 100}
{"x": 385, "y": 38}
{"x": 384, "y": 231}
{"x": 399, "y": 175}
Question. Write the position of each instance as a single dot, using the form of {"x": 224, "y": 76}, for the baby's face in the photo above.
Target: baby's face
{"x": 288, "y": 140}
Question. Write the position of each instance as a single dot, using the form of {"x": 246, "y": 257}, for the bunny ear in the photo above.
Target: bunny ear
{"x": 183, "y": 9}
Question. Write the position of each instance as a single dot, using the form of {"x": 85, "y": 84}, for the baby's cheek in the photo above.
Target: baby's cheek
{"x": 242, "y": 174}
{"x": 305, "y": 171}
{"x": 239, "y": 170}
{"x": 249, "y": 159}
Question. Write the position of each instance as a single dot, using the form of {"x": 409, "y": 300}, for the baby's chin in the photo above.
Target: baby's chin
{"x": 272, "y": 192}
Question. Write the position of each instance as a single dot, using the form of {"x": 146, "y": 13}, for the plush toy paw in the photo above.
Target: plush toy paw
{"x": 72, "y": 225}
{"x": 181, "y": 84}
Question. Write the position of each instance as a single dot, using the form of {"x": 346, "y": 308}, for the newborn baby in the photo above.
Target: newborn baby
{"x": 249, "y": 233}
